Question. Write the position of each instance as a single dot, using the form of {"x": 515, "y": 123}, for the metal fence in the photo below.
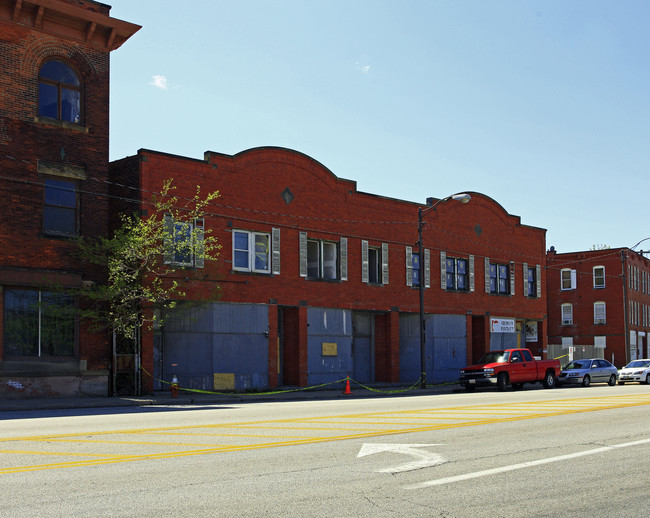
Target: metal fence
{"x": 567, "y": 353}
{"x": 126, "y": 366}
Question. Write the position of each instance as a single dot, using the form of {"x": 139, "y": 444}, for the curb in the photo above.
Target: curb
{"x": 165, "y": 399}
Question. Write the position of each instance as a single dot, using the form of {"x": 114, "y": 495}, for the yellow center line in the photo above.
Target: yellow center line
{"x": 379, "y": 423}
{"x": 60, "y": 454}
{"x": 138, "y": 443}
{"x": 221, "y": 434}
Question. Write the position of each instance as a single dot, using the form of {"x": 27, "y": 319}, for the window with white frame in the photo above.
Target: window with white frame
{"x": 374, "y": 263}
{"x": 600, "y": 316}
{"x": 567, "y": 341}
{"x": 629, "y": 276}
{"x": 456, "y": 274}
{"x": 568, "y": 279}
{"x": 531, "y": 282}
{"x": 323, "y": 260}
{"x": 599, "y": 276}
{"x": 415, "y": 265}
{"x": 567, "y": 314}
{"x": 252, "y": 251}
{"x": 183, "y": 242}
{"x": 418, "y": 269}
{"x": 499, "y": 275}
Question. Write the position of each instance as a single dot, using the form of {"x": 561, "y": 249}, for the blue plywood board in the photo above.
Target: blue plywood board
{"x": 409, "y": 347}
{"x": 218, "y": 338}
{"x": 445, "y": 346}
{"x": 329, "y": 326}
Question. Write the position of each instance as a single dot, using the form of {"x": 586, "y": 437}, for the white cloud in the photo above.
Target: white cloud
{"x": 363, "y": 64}
{"x": 159, "y": 82}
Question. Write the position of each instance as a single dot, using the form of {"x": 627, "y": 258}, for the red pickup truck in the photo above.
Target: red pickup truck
{"x": 509, "y": 367}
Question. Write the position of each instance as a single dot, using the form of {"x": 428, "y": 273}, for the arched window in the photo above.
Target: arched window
{"x": 59, "y": 92}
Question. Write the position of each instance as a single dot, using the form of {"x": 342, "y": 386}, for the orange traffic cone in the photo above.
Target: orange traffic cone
{"x": 347, "y": 386}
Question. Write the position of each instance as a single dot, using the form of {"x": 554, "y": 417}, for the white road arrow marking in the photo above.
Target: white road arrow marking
{"x": 425, "y": 459}
{"x": 529, "y": 464}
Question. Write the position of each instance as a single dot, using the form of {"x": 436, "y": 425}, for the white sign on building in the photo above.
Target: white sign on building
{"x": 531, "y": 331}
{"x": 502, "y": 325}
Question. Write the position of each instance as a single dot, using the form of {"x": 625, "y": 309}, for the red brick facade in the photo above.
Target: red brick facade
{"x": 354, "y": 310}
{"x": 35, "y": 148}
{"x": 618, "y": 281}
{"x": 273, "y": 188}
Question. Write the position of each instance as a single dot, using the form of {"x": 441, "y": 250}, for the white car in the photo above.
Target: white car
{"x": 636, "y": 370}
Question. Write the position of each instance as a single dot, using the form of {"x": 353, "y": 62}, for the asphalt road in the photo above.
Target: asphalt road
{"x": 563, "y": 452}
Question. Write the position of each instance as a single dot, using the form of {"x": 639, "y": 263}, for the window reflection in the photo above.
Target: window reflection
{"x": 59, "y": 92}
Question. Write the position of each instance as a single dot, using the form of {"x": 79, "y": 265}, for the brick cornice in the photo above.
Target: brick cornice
{"x": 70, "y": 20}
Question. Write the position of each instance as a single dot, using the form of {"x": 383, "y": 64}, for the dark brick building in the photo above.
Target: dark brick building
{"x": 599, "y": 304}
{"x": 54, "y": 100}
{"x": 319, "y": 281}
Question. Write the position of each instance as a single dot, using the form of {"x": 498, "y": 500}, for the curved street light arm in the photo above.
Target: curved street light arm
{"x": 462, "y": 197}
{"x": 633, "y": 247}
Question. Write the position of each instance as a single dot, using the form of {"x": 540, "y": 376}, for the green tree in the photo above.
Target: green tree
{"x": 147, "y": 260}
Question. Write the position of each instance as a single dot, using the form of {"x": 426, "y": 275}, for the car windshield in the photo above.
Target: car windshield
{"x": 636, "y": 364}
{"x": 495, "y": 357}
{"x": 579, "y": 364}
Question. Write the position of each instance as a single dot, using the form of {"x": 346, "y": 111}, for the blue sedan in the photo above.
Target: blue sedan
{"x": 586, "y": 372}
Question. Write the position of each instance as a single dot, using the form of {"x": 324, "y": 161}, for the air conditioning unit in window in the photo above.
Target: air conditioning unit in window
{"x": 566, "y": 322}
{"x": 599, "y": 321}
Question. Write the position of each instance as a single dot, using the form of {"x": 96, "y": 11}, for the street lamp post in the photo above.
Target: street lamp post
{"x": 463, "y": 198}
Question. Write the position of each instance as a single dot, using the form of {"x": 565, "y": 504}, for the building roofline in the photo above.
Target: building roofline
{"x": 70, "y": 20}
{"x": 209, "y": 155}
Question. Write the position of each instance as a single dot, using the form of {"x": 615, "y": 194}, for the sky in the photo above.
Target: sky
{"x": 543, "y": 105}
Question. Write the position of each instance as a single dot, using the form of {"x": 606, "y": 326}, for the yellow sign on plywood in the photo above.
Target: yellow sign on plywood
{"x": 330, "y": 349}
{"x": 224, "y": 381}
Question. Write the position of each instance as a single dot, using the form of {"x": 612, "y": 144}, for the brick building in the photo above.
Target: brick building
{"x": 54, "y": 100}
{"x": 599, "y": 304}
{"x": 319, "y": 281}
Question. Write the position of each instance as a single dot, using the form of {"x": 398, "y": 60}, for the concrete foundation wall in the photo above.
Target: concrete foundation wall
{"x": 23, "y": 387}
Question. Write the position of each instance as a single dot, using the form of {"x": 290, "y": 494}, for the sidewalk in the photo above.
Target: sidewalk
{"x": 187, "y": 398}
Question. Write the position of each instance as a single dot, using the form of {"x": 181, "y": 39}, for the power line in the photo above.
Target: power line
{"x": 214, "y": 205}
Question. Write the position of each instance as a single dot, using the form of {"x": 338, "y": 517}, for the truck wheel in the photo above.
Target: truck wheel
{"x": 549, "y": 380}
{"x": 502, "y": 381}
{"x": 586, "y": 381}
